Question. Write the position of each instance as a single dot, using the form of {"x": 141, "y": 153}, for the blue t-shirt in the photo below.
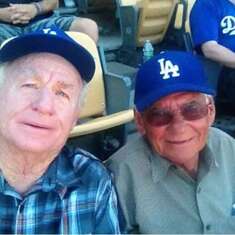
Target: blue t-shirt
{"x": 213, "y": 20}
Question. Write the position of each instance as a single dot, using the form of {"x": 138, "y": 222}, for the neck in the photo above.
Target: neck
{"x": 22, "y": 169}
{"x": 191, "y": 166}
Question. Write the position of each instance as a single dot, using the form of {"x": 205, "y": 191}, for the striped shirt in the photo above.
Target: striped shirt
{"x": 74, "y": 196}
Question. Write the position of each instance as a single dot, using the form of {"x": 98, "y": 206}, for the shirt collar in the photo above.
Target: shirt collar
{"x": 160, "y": 165}
{"x": 208, "y": 157}
{"x": 61, "y": 174}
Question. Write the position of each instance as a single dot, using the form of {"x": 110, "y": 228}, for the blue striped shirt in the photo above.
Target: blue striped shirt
{"x": 74, "y": 196}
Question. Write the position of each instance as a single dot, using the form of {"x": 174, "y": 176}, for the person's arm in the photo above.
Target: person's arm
{"x": 214, "y": 51}
{"x": 48, "y": 5}
{"x": 108, "y": 216}
{"x": 23, "y": 13}
{"x": 5, "y": 14}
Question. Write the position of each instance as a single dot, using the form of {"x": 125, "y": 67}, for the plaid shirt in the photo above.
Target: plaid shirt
{"x": 74, "y": 196}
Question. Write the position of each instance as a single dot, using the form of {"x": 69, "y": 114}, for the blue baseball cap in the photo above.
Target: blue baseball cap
{"x": 166, "y": 73}
{"x": 51, "y": 40}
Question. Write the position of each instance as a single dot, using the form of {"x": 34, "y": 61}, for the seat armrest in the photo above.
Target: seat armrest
{"x": 103, "y": 123}
{"x": 128, "y": 24}
{"x": 118, "y": 92}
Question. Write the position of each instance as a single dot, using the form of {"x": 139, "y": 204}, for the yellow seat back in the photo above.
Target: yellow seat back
{"x": 130, "y": 2}
{"x": 178, "y": 22}
{"x": 94, "y": 106}
{"x": 154, "y": 19}
{"x": 187, "y": 23}
{"x": 95, "y": 100}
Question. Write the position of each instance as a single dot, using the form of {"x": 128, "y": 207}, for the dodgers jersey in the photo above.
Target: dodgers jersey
{"x": 213, "y": 20}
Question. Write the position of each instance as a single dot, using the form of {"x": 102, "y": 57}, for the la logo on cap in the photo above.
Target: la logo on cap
{"x": 168, "y": 69}
{"x": 49, "y": 31}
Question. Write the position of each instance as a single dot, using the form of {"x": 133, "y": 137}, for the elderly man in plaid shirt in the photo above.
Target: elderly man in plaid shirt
{"x": 44, "y": 188}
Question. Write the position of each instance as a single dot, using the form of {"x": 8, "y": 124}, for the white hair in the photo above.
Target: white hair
{"x": 209, "y": 98}
{"x": 83, "y": 95}
{"x": 2, "y": 72}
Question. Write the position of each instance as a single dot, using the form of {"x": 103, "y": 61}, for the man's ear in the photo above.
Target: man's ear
{"x": 76, "y": 118}
{"x": 139, "y": 122}
{"x": 211, "y": 113}
{"x": 74, "y": 123}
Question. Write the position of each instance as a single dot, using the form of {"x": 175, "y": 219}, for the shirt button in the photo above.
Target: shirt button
{"x": 199, "y": 189}
{"x": 208, "y": 227}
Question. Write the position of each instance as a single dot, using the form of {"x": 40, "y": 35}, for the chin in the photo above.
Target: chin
{"x": 180, "y": 158}
{"x": 37, "y": 145}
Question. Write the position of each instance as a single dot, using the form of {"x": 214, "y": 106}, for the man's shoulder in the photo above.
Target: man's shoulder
{"x": 205, "y": 6}
{"x": 133, "y": 152}
{"x": 86, "y": 166}
{"x": 218, "y": 139}
{"x": 207, "y": 3}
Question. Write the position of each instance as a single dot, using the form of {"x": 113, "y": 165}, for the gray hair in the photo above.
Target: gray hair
{"x": 83, "y": 95}
{"x": 2, "y": 72}
{"x": 209, "y": 98}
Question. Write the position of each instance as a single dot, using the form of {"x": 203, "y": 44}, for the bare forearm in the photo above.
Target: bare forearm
{"x": 5, "y": 14}
{"x": 48, "y": 5}
{"x": 219, "y": 53}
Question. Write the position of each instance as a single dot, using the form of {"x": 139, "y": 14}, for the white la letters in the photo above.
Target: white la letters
{"x": 168, "y": 68}
{"x": 49, "y": 31}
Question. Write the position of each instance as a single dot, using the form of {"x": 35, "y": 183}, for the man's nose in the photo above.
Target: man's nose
{"x": 178, "y": 122}
{"x": 44, "y": 102}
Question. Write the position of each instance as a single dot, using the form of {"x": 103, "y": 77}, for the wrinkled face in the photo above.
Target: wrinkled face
{"x": 167, "y": 130}
{"x": 39, "y": 102}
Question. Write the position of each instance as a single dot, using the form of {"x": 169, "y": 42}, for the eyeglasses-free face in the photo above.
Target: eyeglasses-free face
{"x": 193, "y": 110}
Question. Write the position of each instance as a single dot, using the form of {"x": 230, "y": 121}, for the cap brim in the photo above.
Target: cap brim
{"x": 156, "y": 96}
{"x": 32, "y": 43}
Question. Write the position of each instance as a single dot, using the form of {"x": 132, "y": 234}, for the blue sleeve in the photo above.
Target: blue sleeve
{"x": 204, "y": 22}
{"x": 108, "y": 215}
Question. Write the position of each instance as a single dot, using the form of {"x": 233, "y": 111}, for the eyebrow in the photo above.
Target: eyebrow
{"x": 65, "y": 85}
{"x": 34, "y": 75}
{"x": 194, "y": 99}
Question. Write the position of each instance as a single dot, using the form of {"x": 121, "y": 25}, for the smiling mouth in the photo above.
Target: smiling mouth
{"x": 40, "y": 127}
{"x": 179, "y": 142}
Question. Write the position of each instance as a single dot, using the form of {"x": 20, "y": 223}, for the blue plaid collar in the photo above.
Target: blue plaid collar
{"x": 62, "y": 174}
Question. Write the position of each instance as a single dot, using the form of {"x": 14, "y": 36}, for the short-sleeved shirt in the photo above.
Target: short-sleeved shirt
{"x": 47, "y": 20}
{"x": 158, "y": 197}
{"x": 5, "y": 3}
{"x": 213, "y": 20}
{"x": 74, "y": 196}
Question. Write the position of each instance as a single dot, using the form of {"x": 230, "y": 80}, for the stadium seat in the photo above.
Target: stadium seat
{"x": 106, "y": 108}
{"x": 86, "y": 6}
{"x": 144, "y": 19}
{"x": 154, "y": 19}
{"x": 67, "y": 7}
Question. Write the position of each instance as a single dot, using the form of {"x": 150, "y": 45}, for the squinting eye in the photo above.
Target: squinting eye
{"x": 62, "y": 94}
{"x": 30, "y": 85}
{"x": 159, "y": 117}
{"x": 194, "y": 111}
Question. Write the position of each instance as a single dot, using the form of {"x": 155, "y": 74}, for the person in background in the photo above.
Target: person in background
{"x": 45, "y": 187}
{"x": 212, "y": 26}
{"x": 213, "y": 34}
{"x": 178, "y": 175}
{"x": 24, "y": 16}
